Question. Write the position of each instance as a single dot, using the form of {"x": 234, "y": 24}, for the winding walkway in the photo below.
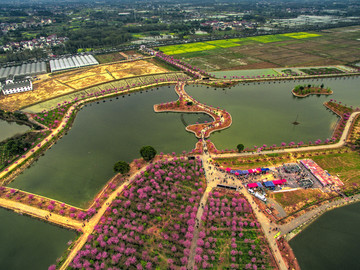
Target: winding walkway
{"x": 219, "y": 116}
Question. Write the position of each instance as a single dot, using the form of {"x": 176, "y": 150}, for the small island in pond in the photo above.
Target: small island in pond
{"x": 306, "y": 90}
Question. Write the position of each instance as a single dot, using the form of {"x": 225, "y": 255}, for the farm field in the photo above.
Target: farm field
{"x": 328, "y": 47}
{"x": 345, "y": 165}
{"x": 72, "y": 81}
{"x": 235, "y": 42}
{"x": 111, "y": 57}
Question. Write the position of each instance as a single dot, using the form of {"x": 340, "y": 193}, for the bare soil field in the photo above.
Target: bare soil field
{"x": 67, "y": 82}
{"x": 111, "y": 57}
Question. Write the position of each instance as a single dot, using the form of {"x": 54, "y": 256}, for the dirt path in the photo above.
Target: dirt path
{"x": 44, "y": 214}
{"x": 210, "y": 185}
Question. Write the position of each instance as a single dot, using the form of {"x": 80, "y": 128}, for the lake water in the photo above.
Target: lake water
{"x": 27, "y": 243}
{"x": 263, "y": 113}
{"x": 8, "y": 130}
{"x": 78, "y": 166}
{"x": 81, "y": 162}
{"x": 331, "y": 242}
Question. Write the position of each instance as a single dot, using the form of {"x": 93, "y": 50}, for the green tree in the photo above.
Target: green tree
{"x": 121, "y": 167}
{"x": 240, "y": 147}
{"x": 147, "y": 152}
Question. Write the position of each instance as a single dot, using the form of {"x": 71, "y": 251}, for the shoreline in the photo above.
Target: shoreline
{"x": 318, "y": 213}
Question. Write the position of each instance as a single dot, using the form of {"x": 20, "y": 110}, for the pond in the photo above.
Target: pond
{"x": 78, "y": 166}
{"x": 8, "y": 130}
{"x": 263, "y": 113}
{"x": 27, "y": 243}
{"x": 331, "y": 242}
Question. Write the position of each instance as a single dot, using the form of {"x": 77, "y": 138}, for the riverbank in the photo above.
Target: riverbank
{"x": 297, "y": 225}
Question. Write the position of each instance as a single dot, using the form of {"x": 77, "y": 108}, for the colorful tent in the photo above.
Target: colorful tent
{"x": 252, "y": 185}
{"x": 269, "y": 184}
{"x": 278, "y": 182}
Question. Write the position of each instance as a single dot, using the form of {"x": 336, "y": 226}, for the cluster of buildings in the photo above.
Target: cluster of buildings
{"x": 16, "y": 79}
{"x": 6, "y": 27}
{"x": 235, "y": 25}
{"x": 36, "y": 43}
{"x": 12, "y": 87}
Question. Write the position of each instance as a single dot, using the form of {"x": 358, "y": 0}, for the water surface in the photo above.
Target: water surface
{"x": 263, "y": 113}
{"x": 331, "y": 242}
{"x": 27, "y": 243}
{"x": 77, "y": 167}
{"x": 8, "y": 130}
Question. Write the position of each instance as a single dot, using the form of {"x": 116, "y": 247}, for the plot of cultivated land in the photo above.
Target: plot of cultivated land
{"x": 67, "y": 82}
{"x": 42, "y": 91}
{"x": 301, "y": 35}
{"x": 292, "y": 201}
{"x": 271, "y": 38}
{"x": 124, "y": 70}
{"x": 90, "y": 81}
{"x": 186, "y": 48}
{"x": 222, "y": 43}
{"x": 211, "y": 45}
{"x": 112, "y": 57}
{"x": 345, "y": 165}
{"x": 79, "y": 73}
{"x": 286, "y": 50}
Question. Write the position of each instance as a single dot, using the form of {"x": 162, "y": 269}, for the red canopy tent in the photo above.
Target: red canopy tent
{"x": 252, "y": 185}
{"x": 279, "y": 182}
